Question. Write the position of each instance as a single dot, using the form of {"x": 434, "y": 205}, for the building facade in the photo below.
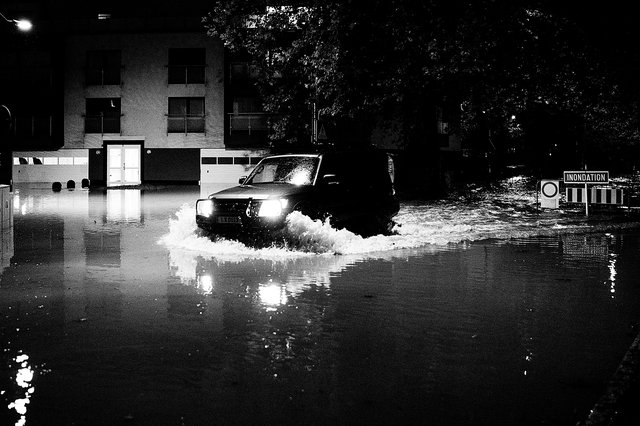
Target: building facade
{"x": 140, "y": 101}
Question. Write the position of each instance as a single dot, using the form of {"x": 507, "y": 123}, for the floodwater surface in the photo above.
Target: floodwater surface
{"x": 480, "y": 310}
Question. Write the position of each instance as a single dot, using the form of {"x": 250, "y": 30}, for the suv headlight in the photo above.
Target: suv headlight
{"x": 272, "y": 208}
{"x": 204, "y": 207}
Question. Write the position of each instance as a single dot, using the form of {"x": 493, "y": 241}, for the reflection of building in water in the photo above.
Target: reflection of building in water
{"x": 65, "y": 203}
{"x": 102, "y": 248}
{"x": 586, "y": 246}
{"x": 6, "y": 248}
{"x": 600, "y": 249}
{"x": 124, "y": 205}
{"x": 116, "y": 206}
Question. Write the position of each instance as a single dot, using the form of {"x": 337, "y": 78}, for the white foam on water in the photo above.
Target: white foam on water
{"x": 480, "y": 215}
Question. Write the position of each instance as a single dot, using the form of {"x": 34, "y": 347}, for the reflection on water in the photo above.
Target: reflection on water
{"x": 23, "y": 378}
{"x": 6, "y": 248}
{"x": 124, "y": 205}
{"x": 612, "y": 273}
{"x": 138, "y": 318}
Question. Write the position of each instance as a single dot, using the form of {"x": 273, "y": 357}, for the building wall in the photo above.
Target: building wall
{"x": 184, "y": 162}
{"x": 144, "y": 90}
{"x": 50, "y": 166}
{"x": 227, "y": 166}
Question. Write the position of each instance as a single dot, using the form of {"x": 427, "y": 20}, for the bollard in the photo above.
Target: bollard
{"x": 71, "y": 184}
{"x": 85, "y": 183}
{"x": 56, "y": 186}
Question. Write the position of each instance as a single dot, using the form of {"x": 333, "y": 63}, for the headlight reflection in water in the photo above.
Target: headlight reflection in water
{"x": 272, "y": 295}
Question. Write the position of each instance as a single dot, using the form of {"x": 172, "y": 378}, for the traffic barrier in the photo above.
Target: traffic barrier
{"x": 607, "y": 196}
{"x": 613, "y": 196}
{"x": 574, "y": 195}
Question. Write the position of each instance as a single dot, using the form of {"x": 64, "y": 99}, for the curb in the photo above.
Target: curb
{"x": 613, "y": 408}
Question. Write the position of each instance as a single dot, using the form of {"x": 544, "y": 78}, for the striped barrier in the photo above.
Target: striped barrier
{"x": 607, "y": 196}
{"x": 596, "y": 195}
{"x": 574, "y": 195}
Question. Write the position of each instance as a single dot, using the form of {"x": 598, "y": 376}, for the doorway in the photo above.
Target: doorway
{"x": 123, "y": 164}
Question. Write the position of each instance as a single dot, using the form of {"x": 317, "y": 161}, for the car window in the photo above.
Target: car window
{"x": 293, "y": 170}
{"x": 362, "y": 171}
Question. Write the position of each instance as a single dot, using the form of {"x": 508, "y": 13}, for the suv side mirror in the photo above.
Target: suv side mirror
{"x": 330, "y": 179}
{"x": 242, "y": 180}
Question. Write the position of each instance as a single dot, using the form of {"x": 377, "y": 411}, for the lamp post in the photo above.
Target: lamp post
{"x": 22, "y": 24}
{"x": 6, "y": 160}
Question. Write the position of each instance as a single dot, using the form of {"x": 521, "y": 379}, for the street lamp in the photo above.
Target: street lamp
{"x": 22, "y": 24}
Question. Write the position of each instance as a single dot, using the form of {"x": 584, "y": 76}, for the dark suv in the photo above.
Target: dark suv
{"x": 353, "y": 189}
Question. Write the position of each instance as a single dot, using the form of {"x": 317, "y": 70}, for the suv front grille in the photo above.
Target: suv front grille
{"x": 231, "y": 207}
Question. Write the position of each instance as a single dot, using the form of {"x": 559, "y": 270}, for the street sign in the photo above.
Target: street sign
{"x": 585, "y": 177}
{"x": 322, "y": 133}
{"x": 550, "y": 194}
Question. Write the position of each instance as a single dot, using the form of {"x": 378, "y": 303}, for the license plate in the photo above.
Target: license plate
{"x": 229, "y": 219}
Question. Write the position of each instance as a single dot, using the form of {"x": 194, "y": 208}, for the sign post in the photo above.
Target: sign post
{"x": 586, "y": 177}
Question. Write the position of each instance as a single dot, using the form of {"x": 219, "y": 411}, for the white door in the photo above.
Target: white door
{"x": 123, "y": 165}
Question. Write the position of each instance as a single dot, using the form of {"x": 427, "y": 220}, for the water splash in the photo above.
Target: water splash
{"x": 504, "y": 212}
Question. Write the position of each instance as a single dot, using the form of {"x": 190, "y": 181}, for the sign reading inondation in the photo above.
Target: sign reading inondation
{"x": 585, "y": 176}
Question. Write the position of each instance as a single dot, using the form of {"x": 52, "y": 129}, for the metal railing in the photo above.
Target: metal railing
{"x": 102, "y": 123}
{"x": 189, "y": 123}
{"x": 186, "y": 74}
{"x": 248, "y": 122}
{"x": 102, "y": 76}
{"x": 33, "y": 126}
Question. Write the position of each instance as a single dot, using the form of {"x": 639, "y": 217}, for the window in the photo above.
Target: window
{"x": 103, "y": 67}
{"x": 187, "y": 66}
{"x": 242, "y": 71}
{"x": 65, "y": 161}
{"x": 247, "y": 115}
{"x": 102, "y": 116}
{"x": 186, "y": 115}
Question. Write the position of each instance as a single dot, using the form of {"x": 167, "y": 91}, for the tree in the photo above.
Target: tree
{"x": 503, "y": 67}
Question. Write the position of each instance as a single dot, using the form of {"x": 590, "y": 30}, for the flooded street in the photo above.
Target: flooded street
{"x": 480, "y": 310}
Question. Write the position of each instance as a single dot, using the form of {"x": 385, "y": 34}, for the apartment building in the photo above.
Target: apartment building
{"x": 136, "y": 100}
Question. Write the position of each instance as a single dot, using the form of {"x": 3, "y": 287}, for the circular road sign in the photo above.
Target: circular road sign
{"x": 550, "y": 188}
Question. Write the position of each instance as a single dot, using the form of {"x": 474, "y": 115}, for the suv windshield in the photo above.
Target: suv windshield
{"x": 295, "y": 170}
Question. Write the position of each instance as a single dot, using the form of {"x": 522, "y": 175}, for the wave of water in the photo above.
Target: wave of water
{"x": 506, "y": 211}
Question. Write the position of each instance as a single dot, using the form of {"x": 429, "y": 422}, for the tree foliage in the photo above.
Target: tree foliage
{"x": 497, "y": 64}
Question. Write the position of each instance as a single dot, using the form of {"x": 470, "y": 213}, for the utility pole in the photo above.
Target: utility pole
{"x": 314, "y": 123}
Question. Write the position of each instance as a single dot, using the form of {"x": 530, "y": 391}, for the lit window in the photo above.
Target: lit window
{"x": 80, "y": 161}
{"x": 65, "y": 161}
{"x": 50, "y": 161}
